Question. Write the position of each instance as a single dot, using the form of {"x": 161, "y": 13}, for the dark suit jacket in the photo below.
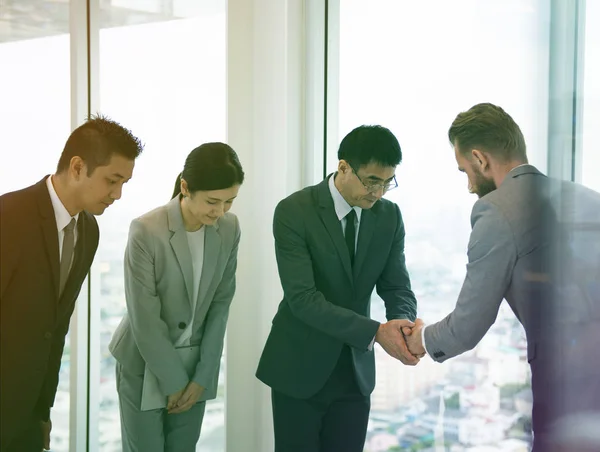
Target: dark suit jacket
{"x": 34, "y": 321}
{"x": 326, "y": 302}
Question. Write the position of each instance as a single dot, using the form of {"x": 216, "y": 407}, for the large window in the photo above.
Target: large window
{"x": 590, "y": 174}
{"x": 35, "y": 116}
{"x": 159, "y": 68}
{"x": 162, "y": 74}
{"x": 412, "y": 67}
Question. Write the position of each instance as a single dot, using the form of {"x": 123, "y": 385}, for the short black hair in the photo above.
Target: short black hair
{"x": 370, "y": 144}
{"x": 96, "y": 140}
{"x": 488, "y": 128}
{"x": 211, "y": 166}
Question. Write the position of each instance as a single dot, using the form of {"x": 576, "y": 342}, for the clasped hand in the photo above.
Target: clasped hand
{"x": 401, "y": 339}
{"x": 184, "y": 399}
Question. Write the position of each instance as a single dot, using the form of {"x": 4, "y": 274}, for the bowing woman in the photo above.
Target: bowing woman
{"x": 180, "y": 266}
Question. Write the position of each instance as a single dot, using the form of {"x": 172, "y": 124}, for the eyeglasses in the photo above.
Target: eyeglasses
{"x": 374, "y": 187}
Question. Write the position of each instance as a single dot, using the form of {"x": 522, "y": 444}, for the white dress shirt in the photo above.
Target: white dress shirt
{"x": 342, "y": 208}
{"x": 196, "y": 245}
{"x": 63, "y": 218}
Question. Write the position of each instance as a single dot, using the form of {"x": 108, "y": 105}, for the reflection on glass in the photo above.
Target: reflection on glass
{"x": 35, "y": 116}
{"x": 412, "y": 67}
{"x": 162, "y": 74}
{"x": 591, "y": 100}
{"x": 30, "y": 19}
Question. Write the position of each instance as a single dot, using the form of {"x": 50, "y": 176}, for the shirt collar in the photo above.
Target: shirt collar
{"x": 518, "y": 166}
{"x": 342, "y": 208}
{"x": 63, "y": 218}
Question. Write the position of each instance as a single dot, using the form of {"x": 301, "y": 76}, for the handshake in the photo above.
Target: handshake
{"x": 401, "y": 339}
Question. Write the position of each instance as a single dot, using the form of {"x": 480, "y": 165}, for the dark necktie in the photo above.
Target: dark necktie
{"x": 67, "y": 253}
{"x": 350, "y": 233}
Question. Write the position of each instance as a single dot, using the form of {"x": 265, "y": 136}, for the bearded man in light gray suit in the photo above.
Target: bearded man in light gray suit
{"x": 536, "y": 243}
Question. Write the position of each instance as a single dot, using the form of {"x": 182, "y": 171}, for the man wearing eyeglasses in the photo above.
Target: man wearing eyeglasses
{"x": 335, "y": 242}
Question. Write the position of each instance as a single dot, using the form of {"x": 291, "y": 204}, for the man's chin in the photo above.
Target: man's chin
{"x": 97, "y": 210}
{"x": 368, "y": 203}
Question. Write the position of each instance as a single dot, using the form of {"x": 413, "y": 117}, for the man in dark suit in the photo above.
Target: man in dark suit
{"x": 48, "y": 238}
{"x": 335, "y": 242}
{"x": 536, "y": 243}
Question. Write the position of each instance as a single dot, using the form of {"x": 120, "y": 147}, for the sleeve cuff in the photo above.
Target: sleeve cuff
{"x": 44, "y": 414}
{"x": 207, "y": 377}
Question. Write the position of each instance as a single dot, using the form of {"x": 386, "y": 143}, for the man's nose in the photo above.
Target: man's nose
{"x": 379, "y": 193}
{"x": 117, "y": 192}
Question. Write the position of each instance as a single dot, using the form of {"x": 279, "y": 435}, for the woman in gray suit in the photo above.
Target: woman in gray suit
{"x": 180, "y": 265}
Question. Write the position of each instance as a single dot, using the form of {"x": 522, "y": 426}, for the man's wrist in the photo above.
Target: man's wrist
{"x": 377, "y": 333}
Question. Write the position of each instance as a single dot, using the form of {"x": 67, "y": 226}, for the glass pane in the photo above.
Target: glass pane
{"x": 61, "y": 409}
{"x": 162, "y": 74}
{"x": 591, "y": 99}
{"x": 35, "y": 113}
{"x": 412, "y": 67}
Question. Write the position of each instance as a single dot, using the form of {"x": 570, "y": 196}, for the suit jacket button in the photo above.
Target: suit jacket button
{"x": 182, "y": 325}
{"x": 48, "y": 335}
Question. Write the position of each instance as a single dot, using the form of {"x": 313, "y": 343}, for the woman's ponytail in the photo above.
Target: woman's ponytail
{"x": 177, "y": 189}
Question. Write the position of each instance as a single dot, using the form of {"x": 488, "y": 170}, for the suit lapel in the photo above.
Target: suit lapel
{"x": 180, "y": 246}
{"x": 50, "y": 232}
{"x": 333, "y": 225}
{"x": 212, "y": 250}
{"x": 368, "y": 220}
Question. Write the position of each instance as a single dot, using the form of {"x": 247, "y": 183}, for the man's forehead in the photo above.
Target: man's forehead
{"x": 377, "y": 171}
{"x": 118, "y": 167}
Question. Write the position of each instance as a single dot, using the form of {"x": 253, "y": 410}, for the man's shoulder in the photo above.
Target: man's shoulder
{"x": 21, "y": 202}
{"x": 510, "y": 197}
{"x": 20, "y": 195}
{"x": 305, "y": 197}
{"x": 521, "y": 205}
{"x": 386, "y": 207}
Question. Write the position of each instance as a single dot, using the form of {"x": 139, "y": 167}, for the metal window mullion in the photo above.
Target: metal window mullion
{"x": 94, "y": 317}
{"x": 83, "y": 17}
{"x": 565, "y": 88}
{"x": 579, "y": 77}
{"x": 315, "y": 84}
{"x": 332, "y": 83}
{"x": 78, "y": 422}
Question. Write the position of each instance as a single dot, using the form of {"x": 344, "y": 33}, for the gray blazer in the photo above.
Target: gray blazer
{"x": 158, "y": 291}
{"x": 536, "y": 243}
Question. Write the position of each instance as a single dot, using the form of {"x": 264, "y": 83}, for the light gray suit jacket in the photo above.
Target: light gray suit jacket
{"x": 158, "y": 290}
{"x": 527, "y": 231}
{"x": 535, "y": 242}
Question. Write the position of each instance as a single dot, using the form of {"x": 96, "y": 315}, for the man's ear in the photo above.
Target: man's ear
{"x": 343, "y": 166}
{"x": 480, "y": 159}
{"x": 77, "y": 167}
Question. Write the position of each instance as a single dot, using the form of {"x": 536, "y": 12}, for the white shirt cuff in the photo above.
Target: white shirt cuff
{"x": 423, "y": 338}
{"x": 371, "y": 344}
